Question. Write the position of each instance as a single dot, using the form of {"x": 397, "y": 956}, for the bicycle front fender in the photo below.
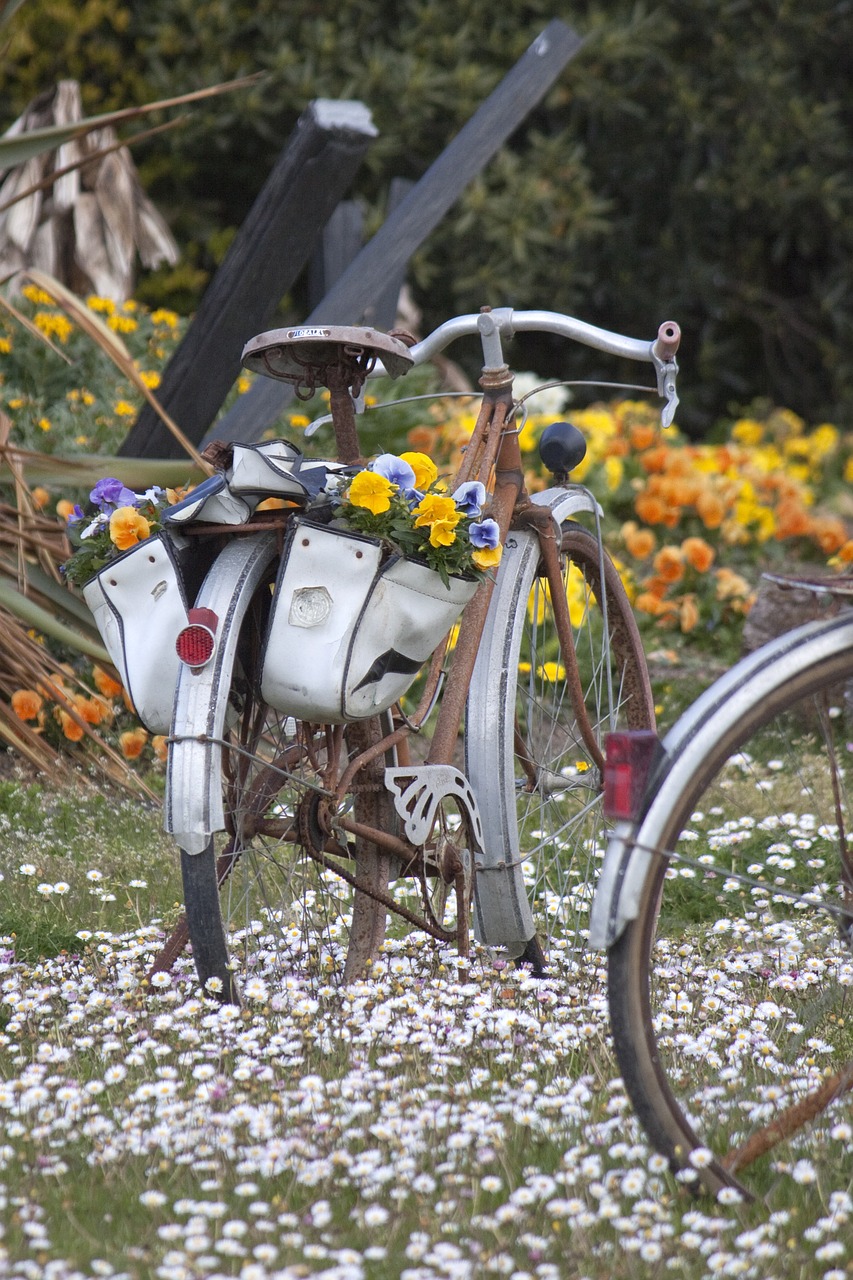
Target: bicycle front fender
{"x": 502, "y": 914}
{"x": 617, "y": 893}
{"x": 193, "y": 807}
{"x": 716, "y": 714}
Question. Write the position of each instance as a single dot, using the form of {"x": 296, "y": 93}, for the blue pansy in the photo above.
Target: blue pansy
{"x": 469, "y": 498}
{"x": 485, "y": 535}
{"x": 395, "y": 470}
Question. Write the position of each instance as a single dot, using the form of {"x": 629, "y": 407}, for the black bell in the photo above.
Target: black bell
{"x": 562, "y": 447}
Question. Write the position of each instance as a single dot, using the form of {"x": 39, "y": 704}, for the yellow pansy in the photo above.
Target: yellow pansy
{"x": 442, "y": 533}
{"x": 487, "y": 557}
{"x": 371, "y": 491}
{"x": 433, "y": 508}
{"x": 426, "y": 472}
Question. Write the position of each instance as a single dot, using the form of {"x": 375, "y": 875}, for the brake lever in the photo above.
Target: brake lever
{"x": 666, "y": 367}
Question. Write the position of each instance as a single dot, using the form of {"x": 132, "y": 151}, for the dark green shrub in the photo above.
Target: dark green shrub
{"x": 692, "y": 162}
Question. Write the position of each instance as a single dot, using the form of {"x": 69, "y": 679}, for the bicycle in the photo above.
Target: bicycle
{"x": 541, "y": 685}
{"x": 740, "y": 828}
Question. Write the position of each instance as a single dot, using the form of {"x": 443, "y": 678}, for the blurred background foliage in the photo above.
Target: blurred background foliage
{"x": 692, "y": 162}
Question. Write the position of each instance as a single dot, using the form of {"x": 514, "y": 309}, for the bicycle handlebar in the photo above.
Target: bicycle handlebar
{"x": 503, "y": 322}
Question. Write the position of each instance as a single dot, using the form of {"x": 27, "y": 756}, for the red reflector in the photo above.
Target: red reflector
{"x": 195, "y": 643}
{"x": 630, "y": 758}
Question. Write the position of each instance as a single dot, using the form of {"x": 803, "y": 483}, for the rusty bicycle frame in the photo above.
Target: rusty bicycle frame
{"x": 493, "y": 457}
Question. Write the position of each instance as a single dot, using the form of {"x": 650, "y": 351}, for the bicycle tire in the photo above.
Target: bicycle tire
{"x": 706, "y": 1072}
{"x": 238, "y": 767}
{"x": 543, "y": 847}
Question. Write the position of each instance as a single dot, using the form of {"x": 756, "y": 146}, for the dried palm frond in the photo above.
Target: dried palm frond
{"x": 71, "y": 203}
{"x": 34, "y": 604}
{"x": 87, "y": 226}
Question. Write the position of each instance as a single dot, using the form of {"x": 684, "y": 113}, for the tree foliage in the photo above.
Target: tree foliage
{"x": 692, "y": 162}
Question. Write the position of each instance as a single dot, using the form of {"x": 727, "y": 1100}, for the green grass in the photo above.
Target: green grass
{"x": 79, "y": 859}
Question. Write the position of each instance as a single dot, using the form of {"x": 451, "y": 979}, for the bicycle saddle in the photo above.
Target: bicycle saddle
{"x": 304, "y": 354}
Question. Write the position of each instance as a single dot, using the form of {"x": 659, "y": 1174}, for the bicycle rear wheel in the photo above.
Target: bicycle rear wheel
{"x": 730, "y": 992}
{"x": 537, "y": 780}
{"x": 253, "y": 899}
{"x": 256, "y": 903}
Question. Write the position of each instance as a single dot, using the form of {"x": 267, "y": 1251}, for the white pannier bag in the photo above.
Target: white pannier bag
{"x": 138, "y": 605}
{"x": 348, "y": 632}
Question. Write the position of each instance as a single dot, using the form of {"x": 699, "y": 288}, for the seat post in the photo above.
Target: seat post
{"x": 343, "y": 414}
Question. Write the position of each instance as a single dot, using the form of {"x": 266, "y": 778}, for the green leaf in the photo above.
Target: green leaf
{"x": 35, "y": 616}
{"x": 74, "y": 472}
{"x": 20, "y": 148}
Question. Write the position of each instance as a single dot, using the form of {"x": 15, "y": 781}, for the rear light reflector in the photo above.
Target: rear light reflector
{"x": 629, "y": 760}
{"x": 196, "y": 643}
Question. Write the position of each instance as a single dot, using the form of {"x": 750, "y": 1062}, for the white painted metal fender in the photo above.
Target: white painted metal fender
{"x": 193, "y": 807}
{"x": 502, "y": 914}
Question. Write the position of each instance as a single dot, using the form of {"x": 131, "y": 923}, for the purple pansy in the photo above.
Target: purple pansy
{"x": 76, "y": 516}
{"x": 112, "y": 493}
{"x": 469, "y": 498}
{"x": 485, "y": 535}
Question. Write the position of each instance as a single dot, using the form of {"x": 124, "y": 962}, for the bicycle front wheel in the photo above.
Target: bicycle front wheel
{"x": 536, "y": 776}
{"x": 730, "y": 992}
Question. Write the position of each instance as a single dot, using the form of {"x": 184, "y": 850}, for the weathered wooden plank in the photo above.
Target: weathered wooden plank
{"x": 418, "y": 214}
{"x": 270, "y": 250}
{"x": 341, "y": 241}
{"x": 381, "y": 310}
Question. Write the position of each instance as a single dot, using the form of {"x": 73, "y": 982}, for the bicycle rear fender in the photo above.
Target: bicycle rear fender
{"x": 716, "y": 714}
{"x": 193, "y": 807}
{"x": 502, "y": 915}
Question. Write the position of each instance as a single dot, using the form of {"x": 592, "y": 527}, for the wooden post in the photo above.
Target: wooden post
{"x": 268, "y": 253}
{"x": 342, "y": 241}
{"x": 418, "y": 214}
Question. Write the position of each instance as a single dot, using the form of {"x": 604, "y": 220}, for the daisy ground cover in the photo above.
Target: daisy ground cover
{"x": 437, "y": 1119}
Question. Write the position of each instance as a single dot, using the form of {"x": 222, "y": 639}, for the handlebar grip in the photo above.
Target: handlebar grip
{"x": 666, "y": 343}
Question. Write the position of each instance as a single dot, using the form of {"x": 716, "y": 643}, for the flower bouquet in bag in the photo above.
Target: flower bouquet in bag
{"x": 132, "y": 580}
{"x": 364, "y": 598}
{"x": 402, "y": 502}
